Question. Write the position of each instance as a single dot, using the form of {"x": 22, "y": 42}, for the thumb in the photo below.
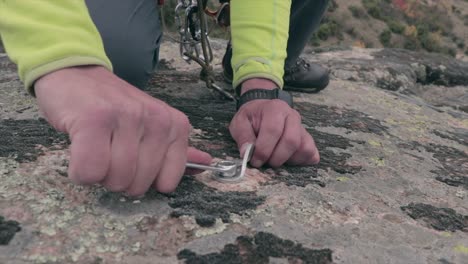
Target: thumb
{"x": 197, "y": 156}
{"x": 243, "y": 133}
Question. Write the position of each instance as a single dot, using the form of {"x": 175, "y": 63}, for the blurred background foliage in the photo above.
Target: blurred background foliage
{"x": 422, "y": 25}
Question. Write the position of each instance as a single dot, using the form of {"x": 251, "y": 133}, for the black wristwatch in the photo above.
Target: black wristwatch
{"x": 265, "y": 94}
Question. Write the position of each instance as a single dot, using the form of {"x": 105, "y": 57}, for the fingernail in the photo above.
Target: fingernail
{"x": 256, "y": 163}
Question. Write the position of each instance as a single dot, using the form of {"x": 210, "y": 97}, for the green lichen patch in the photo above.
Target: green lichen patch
{"x": 330, "y": 159}
{"x": 453, "y": 169}
{"x": 335, "y": 160}
{"x": 442, "y": 219}
{"x": 259, "y": 249}
{"x": 460, "y": 137}
{"x": 298, "y": 176}
{"x": 326, "y": 116}
{"x": 8, "y": 229}
{"x": 206, "y": 204}
{"x": 20, "y": 139}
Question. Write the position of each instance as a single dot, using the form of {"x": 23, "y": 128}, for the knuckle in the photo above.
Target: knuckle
{"x": 157, "y": 118}
{"x": 232, "y": 129}
{"x": 234, "y": 126}
{"x": 297, "y": 115}
{"x": 135, "y": 111}
{"x": 292, "y": 142}
{"x": 316, "y": 158}
{"x": 278, "y": 105}
{"x": 162, "y": 124}
{"x": 262, "y": 155}
{"x": 102, "y": 115}
{"x": 183, "y": 121}
{"x": 155, "y": 110}
{"x": 273, "y": 130}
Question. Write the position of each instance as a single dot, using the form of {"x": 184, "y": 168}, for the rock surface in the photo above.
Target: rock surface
{"x": 392, "y": 186}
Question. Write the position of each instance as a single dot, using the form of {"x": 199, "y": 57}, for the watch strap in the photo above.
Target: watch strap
{"x": 256, "y": 94}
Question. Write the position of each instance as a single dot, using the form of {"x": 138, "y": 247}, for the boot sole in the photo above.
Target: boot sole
{"x": 322, "y": 85}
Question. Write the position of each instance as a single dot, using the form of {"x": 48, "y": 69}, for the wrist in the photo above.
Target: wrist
{"x": 264, "y": 94}
{"x": 64, "y": 73}
{"x": 257, "y": 83}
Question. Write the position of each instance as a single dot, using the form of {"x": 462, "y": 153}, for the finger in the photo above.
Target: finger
{"x": 308, "y": 153}
{"x": 242, "y": 132}
{"x": 173, "y": 166}
{"x": 271, "y": 129}
{"x": 153, "y": 149}
{"x": 289, "y": 142}
{"x": 197, "y": 156}
{"x": 90, "y": 154}
{"x": 124, "y": 156}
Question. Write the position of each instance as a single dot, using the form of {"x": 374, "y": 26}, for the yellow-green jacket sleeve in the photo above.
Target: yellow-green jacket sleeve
{"x": 259, "y": 31}
{"x": 42, "y": 36}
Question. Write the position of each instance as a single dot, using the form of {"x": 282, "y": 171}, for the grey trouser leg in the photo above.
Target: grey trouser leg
{"x": 132, "y": 33}
{"x": 305, "y": 19}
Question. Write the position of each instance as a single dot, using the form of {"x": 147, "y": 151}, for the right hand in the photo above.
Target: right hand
{"x": 121, "y": 137}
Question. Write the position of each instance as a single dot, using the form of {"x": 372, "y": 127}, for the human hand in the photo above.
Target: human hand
{"x": 121, "y": 137}
{"x": 277, "y": 131}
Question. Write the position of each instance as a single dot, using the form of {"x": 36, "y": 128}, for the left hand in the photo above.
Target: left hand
{"x": 277, "y": 132}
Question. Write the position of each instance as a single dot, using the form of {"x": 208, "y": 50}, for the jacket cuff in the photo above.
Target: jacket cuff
{"x": 31, "y": 77}
{"x": 257, "y": 68}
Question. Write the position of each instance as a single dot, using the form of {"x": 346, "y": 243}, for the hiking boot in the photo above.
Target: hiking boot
{"x": 305, "y": 77}
{"x": 301, "y": 77}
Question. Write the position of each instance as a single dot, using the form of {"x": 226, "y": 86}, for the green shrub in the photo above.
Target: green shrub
{"x": 435, "y": 19}
{"x": 324, "y": 32}
{"x": 374, "y": 11}
{"x": 412, "y": 43}
{"x": 374, "y": 8}
{"x": 351, "y": 32}
{"x": 450, "y": 51}
{"x": 168, "y": 11}
{"x": 329, "y": 28}
{"x": 430, "y": 42}
{"x": 385, "y": 37}
{"x": 332, "y": 6}
{"x": 369, "y": 44}
{"x": 396, "y": 26}
{"x": 358, "y": 12}
{"x": 314, "y": 40}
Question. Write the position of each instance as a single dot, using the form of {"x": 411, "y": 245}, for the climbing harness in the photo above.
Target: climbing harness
{"x": 194, "y": 42}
